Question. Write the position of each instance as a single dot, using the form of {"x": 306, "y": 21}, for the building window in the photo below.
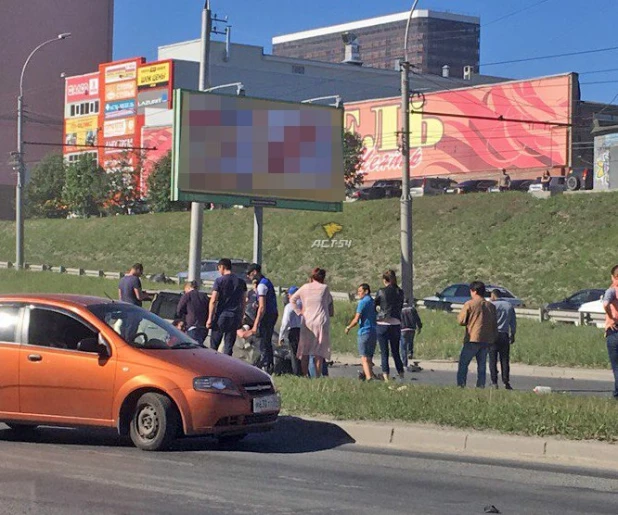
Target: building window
{"x": 298, "y": 69}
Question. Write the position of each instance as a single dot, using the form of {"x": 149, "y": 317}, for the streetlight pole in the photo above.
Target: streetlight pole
{"x": 406, "y": 239}
{"x": 197, "y": 208}
{"x": 21, "y": 167}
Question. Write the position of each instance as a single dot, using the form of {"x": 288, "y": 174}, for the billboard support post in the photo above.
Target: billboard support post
{"x": 197, "y": 208}
{"x": 258, "y": 233}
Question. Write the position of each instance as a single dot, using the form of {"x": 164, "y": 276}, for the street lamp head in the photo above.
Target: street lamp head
{"x": 64, "y": 35}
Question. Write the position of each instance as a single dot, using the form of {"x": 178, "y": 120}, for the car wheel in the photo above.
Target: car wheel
{"x": 572, "y": 183}
{"x": 226, "y": 440}
{"x": 155, "y": 422}
{"x": 21, "y": 428}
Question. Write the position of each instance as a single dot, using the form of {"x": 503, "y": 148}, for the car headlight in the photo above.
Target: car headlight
{"x": 221, "y": 385}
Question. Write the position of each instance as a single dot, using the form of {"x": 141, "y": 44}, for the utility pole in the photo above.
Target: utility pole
{"x": 406, "y": 236}
{"x": 197, "y": 208}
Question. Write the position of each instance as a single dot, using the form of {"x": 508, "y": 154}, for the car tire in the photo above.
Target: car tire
{"x": 155, "y": 423}
{"x": 228, "y": 440}
{"x": 572, "y": 183}
{"x": 21, "y": 428}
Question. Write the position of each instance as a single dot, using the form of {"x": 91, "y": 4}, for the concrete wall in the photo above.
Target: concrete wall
{"x": 24, "y": 25}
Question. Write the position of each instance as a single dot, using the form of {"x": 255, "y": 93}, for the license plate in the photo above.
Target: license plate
{"x": 266, "y": 403}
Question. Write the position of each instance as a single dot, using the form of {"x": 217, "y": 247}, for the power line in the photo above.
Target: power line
{"x": 554, "y": 56}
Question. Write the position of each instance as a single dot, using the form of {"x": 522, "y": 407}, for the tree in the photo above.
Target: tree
{"x": 85, "y": 190}
{"x": 123, "y": 185}
{"x": 44, "y": 191}
{"x": 353, "y": 152}
{"x": 159, "y": 187}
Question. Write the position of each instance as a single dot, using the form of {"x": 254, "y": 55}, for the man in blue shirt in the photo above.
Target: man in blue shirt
{"x": 366, "y": 318}
{"x": 266, "y": 317}
{"x": 501, "y": 349}
{"x": 227, "y": 307}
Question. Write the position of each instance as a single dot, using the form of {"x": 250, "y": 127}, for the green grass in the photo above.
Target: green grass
{"x": 544, "y": 344}
{"x": 575, "y": 418}
{"x": 537, "y": 344}
{"x": 540, "y": 249}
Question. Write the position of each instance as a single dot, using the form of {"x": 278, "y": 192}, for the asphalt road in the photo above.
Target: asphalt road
{"x": 524, "y": 383}
{"x": 301, "y": 467}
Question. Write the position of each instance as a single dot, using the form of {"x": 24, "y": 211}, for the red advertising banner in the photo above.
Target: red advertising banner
{"x": 82, "y": 88}
{"x": 449, "y": 145}
{"x": 159, "y": 140}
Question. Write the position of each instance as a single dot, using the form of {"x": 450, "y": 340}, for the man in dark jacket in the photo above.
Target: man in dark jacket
{"x": 193, "y": 309}
{"x": 389, "y": 302}
{"x": 410, "y": 326}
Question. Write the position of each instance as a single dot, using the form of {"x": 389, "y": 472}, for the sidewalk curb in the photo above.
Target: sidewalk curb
{"x": 517, "y": 369}
{"x": 480, "y": 444}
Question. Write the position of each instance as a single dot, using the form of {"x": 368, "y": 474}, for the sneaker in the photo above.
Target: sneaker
{"x": 361, "y": 375}
{"x": 508, "y": 386}
{"x": 494, "y": 386}
{"x": 386, "y": 378}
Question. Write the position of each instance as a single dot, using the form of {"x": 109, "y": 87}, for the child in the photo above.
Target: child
{"x": 410, "y": 326}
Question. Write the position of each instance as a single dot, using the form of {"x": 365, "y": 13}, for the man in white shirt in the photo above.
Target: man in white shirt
{"x": 290, "y": 329}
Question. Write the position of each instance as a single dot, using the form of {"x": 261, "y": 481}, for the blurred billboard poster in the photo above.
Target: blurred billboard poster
{"x": 256, "y": 152}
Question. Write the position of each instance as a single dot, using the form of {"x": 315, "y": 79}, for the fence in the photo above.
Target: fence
{"x": 539, "y": 314}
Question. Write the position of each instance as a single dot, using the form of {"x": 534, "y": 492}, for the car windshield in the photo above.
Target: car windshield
{"x": 140, "y": 328}
{"x": 416, "y": 183}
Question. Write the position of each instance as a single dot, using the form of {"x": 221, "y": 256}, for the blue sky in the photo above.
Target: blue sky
{"x": 543, "y": 27}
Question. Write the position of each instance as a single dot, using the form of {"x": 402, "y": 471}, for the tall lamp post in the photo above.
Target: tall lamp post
{"x": 21, "y": 168}
{"x": 407, "y": 271}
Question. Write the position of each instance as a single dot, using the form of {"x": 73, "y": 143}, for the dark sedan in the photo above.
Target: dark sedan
{"x": 574, "y": 302}
{"x": 473, "y": 186}
{"x": 379, "y": 189}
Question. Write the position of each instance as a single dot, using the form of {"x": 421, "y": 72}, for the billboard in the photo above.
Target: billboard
{"x": 119, "y": 128}
{"x": 81, "y": 88}
{"x": 159, "y": 142}
{"x": 249, "y": 151}
{"x": 120, "y": 91}
{"x": 443, "y": 144}
{"x": 80, "y": 131}
{"x": 158, "y": 97}
{"x": 120, "y": 109}
{"x": 154, "y": 75}
{"x": 120, "y": 72}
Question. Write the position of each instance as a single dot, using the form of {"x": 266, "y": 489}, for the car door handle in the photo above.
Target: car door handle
{"x": 35, "y": 357}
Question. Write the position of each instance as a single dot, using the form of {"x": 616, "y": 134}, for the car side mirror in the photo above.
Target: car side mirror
{"x": 94, "y": 346}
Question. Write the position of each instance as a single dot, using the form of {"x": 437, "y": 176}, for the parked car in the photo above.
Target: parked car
{"x": 472, "y": 186}
{"x": 575, "y": 301}
{"x": 71, "y": 360}
{"x": 430, "y": 186}
{"x": 516, "y": 185}
{"x": 556, "y": 184}
{"x": 164, "y": 305}
{"x": 580, "y": 179}
{"x": 460, "y": 293}
{"x": 595, "y": 307}
{"x": 380, "y": 189}
{"x": 209, "y": 271}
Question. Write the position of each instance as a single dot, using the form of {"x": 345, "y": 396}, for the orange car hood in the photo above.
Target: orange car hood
{"x": 207, "y": 362}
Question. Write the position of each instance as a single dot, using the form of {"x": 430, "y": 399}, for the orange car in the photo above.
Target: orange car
{"x": 69, "y": 360}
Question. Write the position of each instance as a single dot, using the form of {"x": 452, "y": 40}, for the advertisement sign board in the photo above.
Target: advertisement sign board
{"x": 120, "y": 91}
{"x": 119, "y": 128}
{"x": 81, "y": 88}
{"x": 120, "y": 109}
{"x": 80, "y": 131}
{"x": 159, "y": 142}
{"x": 242, "y": 150}
{"x": 120, "y": 72}
{"x": 154, "y": 75}
{"x": 158, "y": 97}
{"x": 442, "y": 144}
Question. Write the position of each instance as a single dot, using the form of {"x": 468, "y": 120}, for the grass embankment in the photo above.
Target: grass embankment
{"x": 575, "y": 418}
{"x": 541, "y": 249}
{"x": 537, "y": 344}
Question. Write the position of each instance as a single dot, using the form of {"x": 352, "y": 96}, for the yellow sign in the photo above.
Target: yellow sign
{"x": 120, "y": 91}
{"x": 80, "y": 131}
{"x": 154, "y": 75}
{"x": 331, "y": 229}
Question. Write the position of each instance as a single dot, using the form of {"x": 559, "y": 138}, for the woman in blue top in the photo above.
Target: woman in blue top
{"x": 367, "y": 330}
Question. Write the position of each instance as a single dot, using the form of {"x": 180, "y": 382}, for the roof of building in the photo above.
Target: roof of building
{"x": 371, "y": 22}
